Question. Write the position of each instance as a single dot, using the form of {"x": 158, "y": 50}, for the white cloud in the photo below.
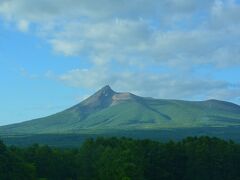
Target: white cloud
{"x": 23, "y": 25}
{"x": 177, "y": 34}
{"x": 100, "y": 9}
{"x": 85, "y": 77}
{"x": 161, "y": 85}
{"x": 225, "y": 14}
{"x": 66, "y": 47}
{"x": 135, "y": 41}
{"x": 134, "y": 31}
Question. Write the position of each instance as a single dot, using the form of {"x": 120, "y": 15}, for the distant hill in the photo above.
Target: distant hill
{"x": 107, "y": 110}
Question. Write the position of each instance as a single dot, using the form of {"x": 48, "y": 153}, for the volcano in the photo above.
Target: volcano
{"x": 107, "y": 110}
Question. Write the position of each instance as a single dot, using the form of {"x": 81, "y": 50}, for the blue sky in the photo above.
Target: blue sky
{"x": 55, "y": 53}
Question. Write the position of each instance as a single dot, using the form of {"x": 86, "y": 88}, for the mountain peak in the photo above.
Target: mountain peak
{"x": 102, "y": 97}
{"x": 106, "y": 88}
{"x": 109, "y": 110}
{"x": 106, "y": 91}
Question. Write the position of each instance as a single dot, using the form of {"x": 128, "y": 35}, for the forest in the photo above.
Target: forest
{"x": 193, "y": 158}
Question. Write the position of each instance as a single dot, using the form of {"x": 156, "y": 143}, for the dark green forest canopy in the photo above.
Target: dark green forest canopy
{"x": 194, "y": 158}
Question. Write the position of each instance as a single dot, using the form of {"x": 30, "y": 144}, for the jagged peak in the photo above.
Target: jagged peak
{"x": 102, "y": 96}
{"x": 106, "y": 97}
{"x": 105, "y": 91}
{"x": 106, "y": 88}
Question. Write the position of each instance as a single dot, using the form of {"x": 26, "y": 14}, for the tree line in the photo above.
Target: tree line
{"x": 194, "y": 158}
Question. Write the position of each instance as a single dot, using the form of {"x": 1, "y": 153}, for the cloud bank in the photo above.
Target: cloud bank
{"x": 175, "y": 35}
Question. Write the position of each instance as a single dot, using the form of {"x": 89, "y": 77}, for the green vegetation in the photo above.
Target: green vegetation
{"x": 163, "y": 135}
{"x": 107, "y": 110}
{"x": 125, "y": 159}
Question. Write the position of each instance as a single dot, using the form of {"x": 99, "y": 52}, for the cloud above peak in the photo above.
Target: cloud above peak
{"x": 159, "y": 85}
{"x": 136, "y": 34}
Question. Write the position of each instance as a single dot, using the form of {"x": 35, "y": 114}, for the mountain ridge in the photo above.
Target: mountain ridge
{"x": 109, "y": 110}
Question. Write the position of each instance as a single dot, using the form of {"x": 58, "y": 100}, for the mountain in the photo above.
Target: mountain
{"x": 107, "y": 110}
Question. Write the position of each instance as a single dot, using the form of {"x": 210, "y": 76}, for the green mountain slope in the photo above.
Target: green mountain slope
{"x": 109, "y": 110}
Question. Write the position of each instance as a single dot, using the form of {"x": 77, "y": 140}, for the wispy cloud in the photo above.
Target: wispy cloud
{"x": 161, "y": 85}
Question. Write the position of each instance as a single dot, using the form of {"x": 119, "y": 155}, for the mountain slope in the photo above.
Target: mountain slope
{"x": 109, "y": 110}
